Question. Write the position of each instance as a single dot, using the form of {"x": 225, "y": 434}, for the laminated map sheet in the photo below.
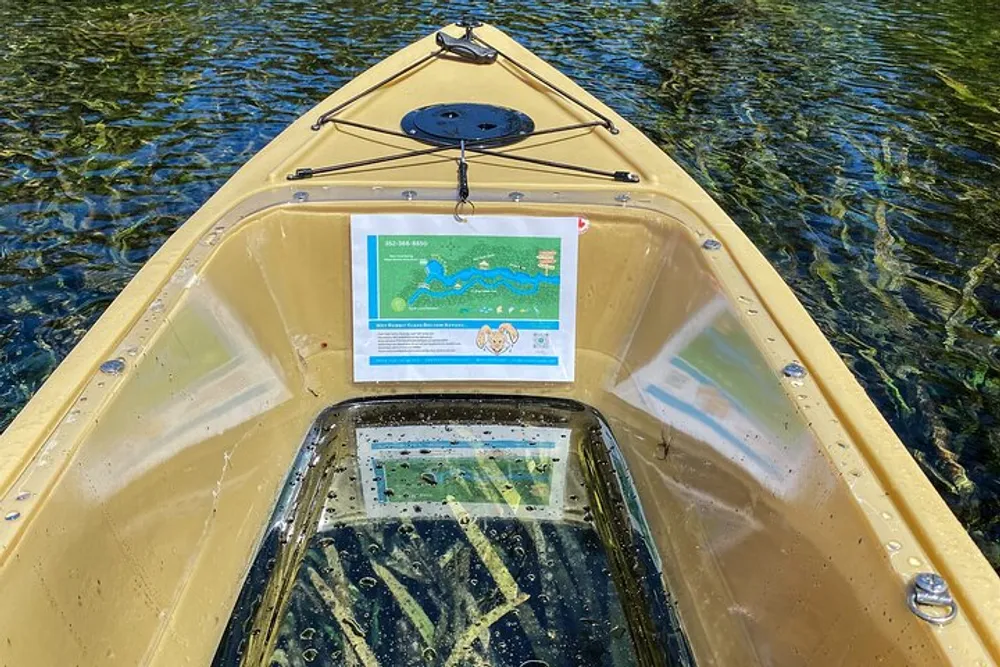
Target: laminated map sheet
{"x": 493, "y": 298}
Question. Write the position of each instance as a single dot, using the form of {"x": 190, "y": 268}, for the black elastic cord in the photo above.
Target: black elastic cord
{"x": 535, "y": 133}
{"x": 621, "y": 176}
{"x": 607, "y": 122}
{"x": 325, "y": 118}
{"x": 463, "y": 166}
{"x": 307, "y": 172}
{"x": 564, "y": 128}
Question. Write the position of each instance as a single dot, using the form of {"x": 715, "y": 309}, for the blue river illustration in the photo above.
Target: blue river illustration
{"x": 515, "y": 281}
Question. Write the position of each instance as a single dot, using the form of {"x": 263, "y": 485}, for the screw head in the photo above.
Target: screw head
{"x": 516, "y": 196}
{"x": 301, "y": 196}
{"x": 12, "y": 516}
{"x": 623, "y": 197}
{"x": 794, "y": 370}
{"x": 931, "y": 582}
{"x": 711, "y": 244}
{"x": 23, "y": 495}
{"x": 113, "y": 366}
{"x": 409, "y": 195}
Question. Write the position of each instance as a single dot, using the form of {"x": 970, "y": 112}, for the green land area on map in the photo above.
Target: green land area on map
{"x": 500, "y": 480}
{"x": 469, "y": 277}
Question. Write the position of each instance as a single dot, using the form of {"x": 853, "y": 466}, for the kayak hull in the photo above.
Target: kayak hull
{"x": 789, "y": 516}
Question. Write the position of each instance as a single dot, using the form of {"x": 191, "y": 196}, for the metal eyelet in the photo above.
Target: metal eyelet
{"x": 931, "y": 590}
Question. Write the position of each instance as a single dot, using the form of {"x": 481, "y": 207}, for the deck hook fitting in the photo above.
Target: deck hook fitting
{"x": 931, "y": 590}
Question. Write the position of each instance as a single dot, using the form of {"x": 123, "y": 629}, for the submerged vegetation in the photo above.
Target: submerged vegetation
{"x": 857, "y": 143}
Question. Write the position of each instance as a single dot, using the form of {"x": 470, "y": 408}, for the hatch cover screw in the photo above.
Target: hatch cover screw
{"x": 794, "y": 370}
{"x": 623, "y": 197}
{"x": 113, "y": 366}
{"x": 12, "y": 516}
{"x": 929, "y": 589}
{"x": 409, "y": 195}
{"x": 301, "y": 196}
{"x": 516, "y": 196}
{"x": 711, "y": 244}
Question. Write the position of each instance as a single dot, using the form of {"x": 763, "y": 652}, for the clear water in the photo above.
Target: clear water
{"x": 856, "y": 142}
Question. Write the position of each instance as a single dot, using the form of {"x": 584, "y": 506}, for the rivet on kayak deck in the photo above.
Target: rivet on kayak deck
{"x": 12, "y": 516}
{"x": 113, "y": 366}
{"x": 711, "y": 244}
{"x": 301, "y": 196}
{"x": 794, "y": 370}
{"x": 409, "y": 195}
{"x": 623, "y": 197}
{"x": 516, "y": 196}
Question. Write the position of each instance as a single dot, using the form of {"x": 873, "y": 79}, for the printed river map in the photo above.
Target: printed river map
{"x": 456, "y": 277}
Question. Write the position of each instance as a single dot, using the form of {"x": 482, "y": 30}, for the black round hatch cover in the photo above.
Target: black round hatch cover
{"x": 478, "y": 125}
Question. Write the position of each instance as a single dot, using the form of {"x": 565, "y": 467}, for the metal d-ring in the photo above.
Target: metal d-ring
{"x": 458, "y": 210}
{"x": 931, "y": 590}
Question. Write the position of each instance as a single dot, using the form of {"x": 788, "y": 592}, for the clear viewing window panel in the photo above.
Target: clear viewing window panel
{"x": 457, "y": 530}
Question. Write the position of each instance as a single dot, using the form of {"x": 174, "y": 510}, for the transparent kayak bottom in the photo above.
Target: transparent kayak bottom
{"x": 457, "y": 531}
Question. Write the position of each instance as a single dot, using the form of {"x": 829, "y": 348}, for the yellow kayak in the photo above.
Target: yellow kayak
{"x": 461, "y": 369}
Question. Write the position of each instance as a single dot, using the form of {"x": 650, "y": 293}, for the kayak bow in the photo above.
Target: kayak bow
{"x": 145, "y": 483}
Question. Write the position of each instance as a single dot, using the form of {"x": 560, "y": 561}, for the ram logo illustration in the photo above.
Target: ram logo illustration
{"x": 497, "y": 340}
